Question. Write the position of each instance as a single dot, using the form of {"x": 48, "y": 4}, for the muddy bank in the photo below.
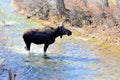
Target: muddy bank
{"x": 102, "y": 33}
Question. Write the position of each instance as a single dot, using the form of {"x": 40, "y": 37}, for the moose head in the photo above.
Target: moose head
{"x": 63, "y": 31}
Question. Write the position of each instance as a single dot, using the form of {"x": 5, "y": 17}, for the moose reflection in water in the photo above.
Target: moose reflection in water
{"x": 44, "y": 36}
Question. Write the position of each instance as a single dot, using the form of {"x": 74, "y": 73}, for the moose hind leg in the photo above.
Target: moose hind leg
{"x": 28, "y": 43}
{"x": 45, "y": 49}
{"x": 28, "y": 46}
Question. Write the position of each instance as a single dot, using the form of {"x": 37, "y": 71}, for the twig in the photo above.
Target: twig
{"x": 10, "y": 74}
{"x": 37, "y": 11}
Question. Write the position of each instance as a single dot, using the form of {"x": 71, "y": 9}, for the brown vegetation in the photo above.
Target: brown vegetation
{"x": 96, "y": 17}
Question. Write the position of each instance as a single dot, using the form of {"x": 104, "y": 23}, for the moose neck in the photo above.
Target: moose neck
{"x": 56, "y": 33}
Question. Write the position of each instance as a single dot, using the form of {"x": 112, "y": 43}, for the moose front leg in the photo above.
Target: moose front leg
{"x": 45, "y": 49}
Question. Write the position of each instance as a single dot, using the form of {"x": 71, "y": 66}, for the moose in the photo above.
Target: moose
{"x": 44, "y": 36}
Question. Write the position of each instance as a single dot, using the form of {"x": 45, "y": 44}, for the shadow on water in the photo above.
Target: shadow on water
{"x": 76, "y": 59}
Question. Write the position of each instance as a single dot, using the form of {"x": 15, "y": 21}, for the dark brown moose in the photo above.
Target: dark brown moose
{"x": 44, "y": 36}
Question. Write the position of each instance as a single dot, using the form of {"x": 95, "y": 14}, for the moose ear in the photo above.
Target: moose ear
{"x": 62, "y": 26}
{"x": 58, "y": 27}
